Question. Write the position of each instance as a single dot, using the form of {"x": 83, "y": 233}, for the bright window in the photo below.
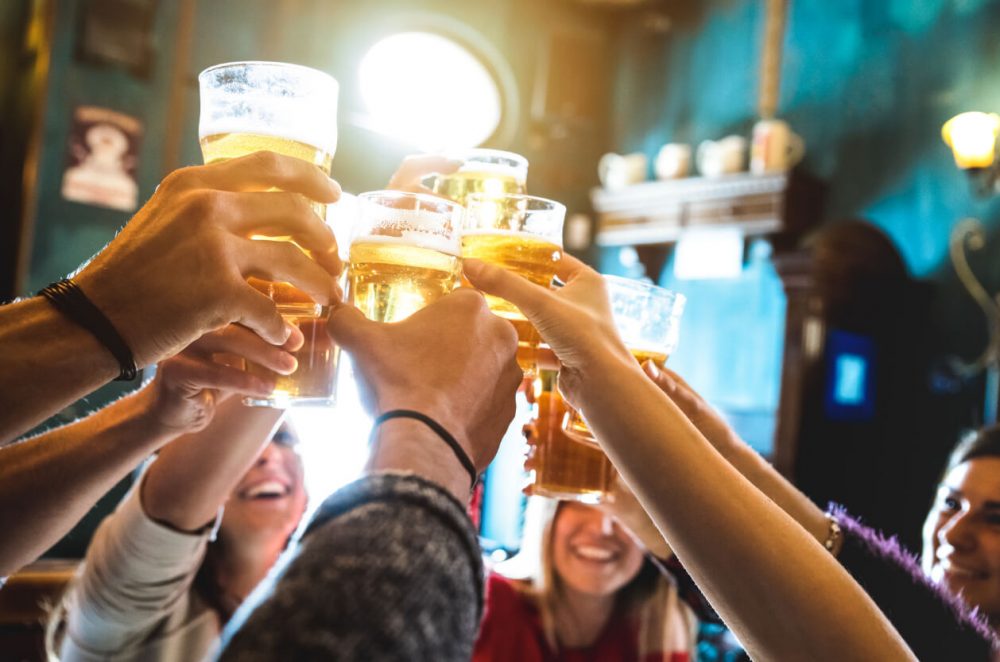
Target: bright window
{"x": 429, "y": 91}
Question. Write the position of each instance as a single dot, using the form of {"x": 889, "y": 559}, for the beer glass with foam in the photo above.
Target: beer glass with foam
{"x": 405, "y": 253}
{"x": 648, "y": 320}
{"x": 292, "y": 110}
{"x": 487, "y": 171}
{"x": 520, "y": 233}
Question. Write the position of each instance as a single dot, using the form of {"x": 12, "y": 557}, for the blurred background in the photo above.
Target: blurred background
{"x": 825, "y": 318}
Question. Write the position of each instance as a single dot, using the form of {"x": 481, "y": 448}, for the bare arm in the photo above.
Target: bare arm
{"x": 176, "y": 271}
{"x": 48, "y": 482}
{"x": 48, "y": 361}
{"x": 783, "y": 595}
{"x": 193, "y": 476}
{"x": 44, "y": 490}
{"x": 756, "y": 469}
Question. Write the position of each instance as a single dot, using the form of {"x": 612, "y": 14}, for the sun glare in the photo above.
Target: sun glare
{"x": 429, "y": 91}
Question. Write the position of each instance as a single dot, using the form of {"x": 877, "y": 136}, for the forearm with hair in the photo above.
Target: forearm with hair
{"x": 47, "y": 362}
{"x": 48, "y": 482}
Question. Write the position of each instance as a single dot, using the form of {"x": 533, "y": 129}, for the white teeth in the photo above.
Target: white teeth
{"x": 594, "y": 553}
{"x": 267, "y": 488}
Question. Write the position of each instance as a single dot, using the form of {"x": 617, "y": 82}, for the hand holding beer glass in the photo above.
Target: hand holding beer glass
{"x": 520, "y": 233}
{"x": 404, "y": 253}
{"x": 647, "y": 318}
{"x": 250, "y": 107}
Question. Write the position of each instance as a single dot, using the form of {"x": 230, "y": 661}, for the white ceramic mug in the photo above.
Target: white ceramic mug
{"x": 720, "y": 157}
{"x": 673, "y": 161}
{"x": 776, "y": 148}
{"x": 616, "y": 171}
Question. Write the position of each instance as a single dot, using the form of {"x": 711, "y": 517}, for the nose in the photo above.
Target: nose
{"x": 959, "y": 532}
{"x": 607, "y": 524}
{"x": 270, "y": 455}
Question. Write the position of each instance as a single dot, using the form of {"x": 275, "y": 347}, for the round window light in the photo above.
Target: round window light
{"x": 429, "y": 91}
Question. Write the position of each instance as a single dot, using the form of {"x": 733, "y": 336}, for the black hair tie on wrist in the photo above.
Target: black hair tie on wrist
{"x": 67, "y": 297}
{"x": 446, "y": 436}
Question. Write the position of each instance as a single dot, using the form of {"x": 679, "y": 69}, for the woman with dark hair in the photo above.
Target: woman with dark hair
{"x": 204, "y": 524}
{"x": 962, "y": 531}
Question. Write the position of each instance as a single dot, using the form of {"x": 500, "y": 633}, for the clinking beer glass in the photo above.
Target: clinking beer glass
{"x": 491, "y": 172}
{"x": 563, "y": 468}
{"x": 292, "y": 110}
{"x": 648, "y": 319}
{"x": 520, "y": 233}
{"x": 405, "y": 253}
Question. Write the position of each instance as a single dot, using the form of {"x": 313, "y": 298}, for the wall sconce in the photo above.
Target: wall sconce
{"x": 973, "y": 141}
{"x": 969, "y": 235}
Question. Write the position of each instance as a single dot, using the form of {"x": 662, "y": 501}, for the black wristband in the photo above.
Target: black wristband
{"x": 463, "y": 457}
{"x": 67, "y": 297}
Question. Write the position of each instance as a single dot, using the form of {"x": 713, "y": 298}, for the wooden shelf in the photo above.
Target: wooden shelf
{"x": 658, "y": 212}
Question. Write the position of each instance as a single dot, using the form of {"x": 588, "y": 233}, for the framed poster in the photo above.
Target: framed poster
{"x": 103, "y": 153}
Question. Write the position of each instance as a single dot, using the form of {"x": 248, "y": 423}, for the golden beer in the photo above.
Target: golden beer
{"x": 221, "y": 146}
{"x": 564, "y": 468}
{"x": 390, "y": 278}
{"x": 527, "y": 255}
{"x": 314, "y": 379}
{"x": 493, "y": 183}
{"x": 288, "y": 109}
{"x": 576, "y": 427}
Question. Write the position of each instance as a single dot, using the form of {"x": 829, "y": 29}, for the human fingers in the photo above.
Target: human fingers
{"x": 259, "y": 314}
{"x": 671, "y": 384}
{"x": 349, "y": 328}
{"x": 240, "y": 341}
{"x": 284, "y": 262}
{"x": 416, "y": 167}
{"x": 279, "y": 214}
{"x": 531, "y": 299}
{"x": 189, "y": 376}
{"x": 260, "y": 171}
{"x": 569, "y": 268}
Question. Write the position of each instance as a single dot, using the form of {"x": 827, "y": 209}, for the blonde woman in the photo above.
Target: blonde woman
{"x": 585, "y": 587}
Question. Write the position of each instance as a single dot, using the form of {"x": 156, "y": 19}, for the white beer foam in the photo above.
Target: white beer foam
{"x": 323, "y": 136}
{"x": 415, "y": 238}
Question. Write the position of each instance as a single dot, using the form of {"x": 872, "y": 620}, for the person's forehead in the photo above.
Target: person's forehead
{"x": 979, "y": 477}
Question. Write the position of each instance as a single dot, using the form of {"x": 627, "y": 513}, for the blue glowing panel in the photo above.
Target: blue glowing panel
{"x": 850, "y": 382}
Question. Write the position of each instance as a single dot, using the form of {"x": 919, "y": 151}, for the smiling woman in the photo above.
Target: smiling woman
{"x": 582, "y": 588}
{"x": 161, "y": 577}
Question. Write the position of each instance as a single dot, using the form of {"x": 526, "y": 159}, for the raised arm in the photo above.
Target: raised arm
{"x": 177, "y": 271}
{"x": 390, "y": 568}
{"x": 48, "y": 482}
{"x": 783, "y": 595}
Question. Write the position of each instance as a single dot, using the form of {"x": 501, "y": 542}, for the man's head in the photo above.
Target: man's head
{"x": 962, "y": 532}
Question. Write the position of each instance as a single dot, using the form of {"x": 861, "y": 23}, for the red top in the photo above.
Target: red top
{"x": 512, "y": 632}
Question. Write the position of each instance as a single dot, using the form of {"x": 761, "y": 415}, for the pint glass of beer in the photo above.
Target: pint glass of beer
{"x": 564, "y": 468}
{"x": 405, "y": 253}
{"x": 520, "y": 233}
{"x": 488, "y": 171}
{"x": 648, "y": 320}
{"x": 292, "y": 110}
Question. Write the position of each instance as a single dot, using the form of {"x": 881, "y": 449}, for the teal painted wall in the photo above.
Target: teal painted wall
{"x": 868, "y": 86}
